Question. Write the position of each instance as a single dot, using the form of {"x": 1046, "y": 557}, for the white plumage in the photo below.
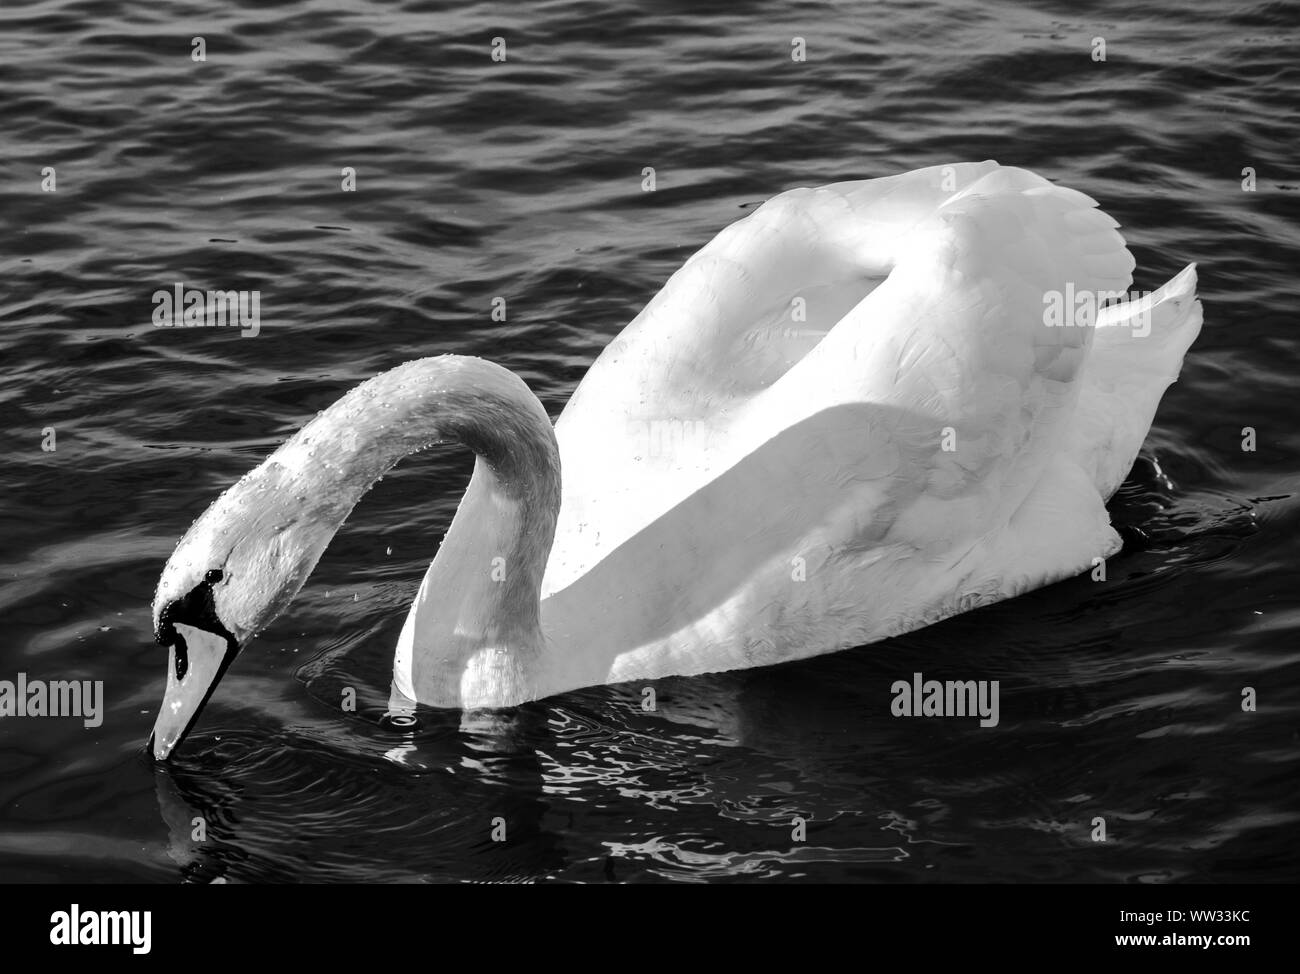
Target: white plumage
{"x": 857, "y": 411}
{"x": 742, "y": 487}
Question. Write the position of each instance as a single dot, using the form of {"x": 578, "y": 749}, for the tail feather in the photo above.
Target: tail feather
{"x": 1137, "y": 352}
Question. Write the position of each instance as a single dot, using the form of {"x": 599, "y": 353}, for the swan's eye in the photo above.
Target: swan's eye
{"x": 195, "y": 609}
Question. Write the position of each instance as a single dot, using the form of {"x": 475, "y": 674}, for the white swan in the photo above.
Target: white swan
{"x": 849, "y": 415}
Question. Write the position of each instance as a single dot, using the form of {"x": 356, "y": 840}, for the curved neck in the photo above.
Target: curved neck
{"x": 473, "y": 634}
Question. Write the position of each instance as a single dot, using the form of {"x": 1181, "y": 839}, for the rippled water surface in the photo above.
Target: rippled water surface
{"x": 523, "y": 179}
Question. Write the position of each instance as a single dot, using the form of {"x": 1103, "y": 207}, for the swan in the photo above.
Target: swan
{"x": 861, "y": 409}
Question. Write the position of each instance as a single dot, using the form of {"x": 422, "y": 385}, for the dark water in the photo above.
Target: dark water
{"x": 523, "y": 179}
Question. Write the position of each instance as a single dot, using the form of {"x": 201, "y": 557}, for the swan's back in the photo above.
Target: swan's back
{"x": 876, "y": 355}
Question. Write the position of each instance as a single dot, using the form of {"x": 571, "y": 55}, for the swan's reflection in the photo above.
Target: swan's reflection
{"x": 441, "y": 803}
{"x": 526, "y": 794}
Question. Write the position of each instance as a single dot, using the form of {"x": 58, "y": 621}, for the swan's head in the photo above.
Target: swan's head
{"x": 239, "y": 565}
{"x": 242, "y": 562}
